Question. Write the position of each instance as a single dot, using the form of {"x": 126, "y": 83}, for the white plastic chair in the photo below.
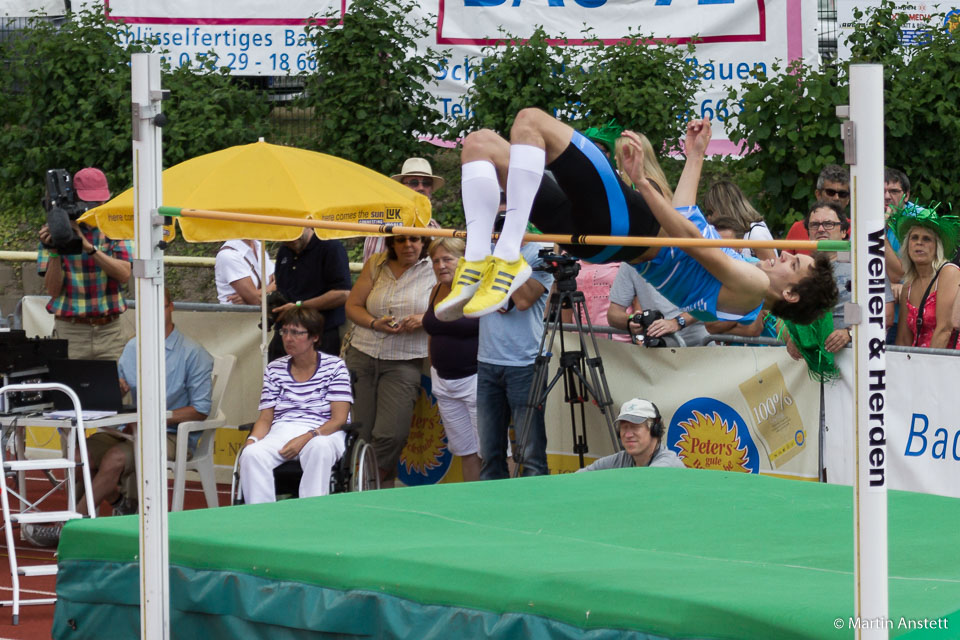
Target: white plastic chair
{"x": 202, "y": 460}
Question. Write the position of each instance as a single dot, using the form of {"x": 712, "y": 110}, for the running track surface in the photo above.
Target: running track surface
{"x": 36, "y": 620}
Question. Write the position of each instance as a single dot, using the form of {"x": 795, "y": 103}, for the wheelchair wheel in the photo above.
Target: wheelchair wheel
{"x": 365, "y": 475}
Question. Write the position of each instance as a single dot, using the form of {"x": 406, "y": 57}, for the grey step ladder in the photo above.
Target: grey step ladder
{"x": 30, "y": 512}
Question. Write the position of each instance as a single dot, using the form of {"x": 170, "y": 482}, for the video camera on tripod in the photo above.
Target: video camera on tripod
{"x": 63, "y": 207}
{"x": 562, "y": 267}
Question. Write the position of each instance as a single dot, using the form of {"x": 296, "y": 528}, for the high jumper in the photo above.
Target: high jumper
{"x": 582, "y": 194}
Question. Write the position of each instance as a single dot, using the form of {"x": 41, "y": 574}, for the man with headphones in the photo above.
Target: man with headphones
{"x": 641, "y": 432}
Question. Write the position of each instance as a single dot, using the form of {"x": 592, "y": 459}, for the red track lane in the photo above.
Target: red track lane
{"x": 36, "y": 620}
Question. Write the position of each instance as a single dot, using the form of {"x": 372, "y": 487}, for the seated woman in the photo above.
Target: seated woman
{"x": 304, "y": 404}
{"x": 930, "y": 282}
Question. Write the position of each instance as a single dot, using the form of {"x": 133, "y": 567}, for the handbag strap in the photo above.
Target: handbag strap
{"x": 923, "y": 304}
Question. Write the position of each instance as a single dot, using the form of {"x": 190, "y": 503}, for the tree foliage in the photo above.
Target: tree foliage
{"x": 643, "y": 86}
{"x": 66, "y": 103}
{"x": 789, "y": 127}
{"x": 789, "y": 122}
{"x": 370, "y": 89}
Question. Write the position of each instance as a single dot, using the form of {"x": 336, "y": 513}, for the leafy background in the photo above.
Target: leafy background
{"x": 66, "y": 104}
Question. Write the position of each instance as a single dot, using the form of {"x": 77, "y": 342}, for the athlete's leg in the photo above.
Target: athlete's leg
{"x": 484, "y": 161}
{"x": 535, "y": 139}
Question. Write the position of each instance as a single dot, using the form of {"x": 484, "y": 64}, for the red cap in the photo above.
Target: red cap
{"x": 91, "y": 185}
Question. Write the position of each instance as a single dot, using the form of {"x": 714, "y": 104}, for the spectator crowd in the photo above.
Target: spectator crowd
{"x": 474, "y": 311}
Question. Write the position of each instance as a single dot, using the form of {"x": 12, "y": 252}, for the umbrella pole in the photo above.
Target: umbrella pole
{"x": 626, "y": 241}
{"x": 263, "y": 303}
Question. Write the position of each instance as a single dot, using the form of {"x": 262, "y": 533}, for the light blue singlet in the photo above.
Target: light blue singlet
{"x": 685, "y": 282}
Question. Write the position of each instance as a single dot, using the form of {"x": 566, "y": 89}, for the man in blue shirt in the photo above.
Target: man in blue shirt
{"x": 112, "y": 464}
{"x": 509, "y": 341}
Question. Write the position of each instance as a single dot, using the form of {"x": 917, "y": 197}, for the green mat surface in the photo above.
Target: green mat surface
{"x": 645, "y": 553}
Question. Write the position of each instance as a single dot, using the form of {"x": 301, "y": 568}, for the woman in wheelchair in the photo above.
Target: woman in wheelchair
{"x": 305, "y": 402}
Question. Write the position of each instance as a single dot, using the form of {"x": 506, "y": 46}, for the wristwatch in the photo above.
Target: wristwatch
{"x": 92, "y": 251}
{"x": 681, "y": 321}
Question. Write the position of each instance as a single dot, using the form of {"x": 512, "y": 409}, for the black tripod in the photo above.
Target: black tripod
{"x": 577, "y": 388}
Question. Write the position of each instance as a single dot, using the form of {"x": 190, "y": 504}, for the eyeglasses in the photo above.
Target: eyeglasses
{"x": 406, "y": 239}
{"x": 293, "y": 333}
{"x": 828, "y": 225}
{"x": 833, "y": 193}
{"x": 418, "y": 182}
{"x": 894, "y": 192}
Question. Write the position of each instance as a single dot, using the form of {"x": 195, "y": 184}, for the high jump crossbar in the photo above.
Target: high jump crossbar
{"x": 630, "y": 241}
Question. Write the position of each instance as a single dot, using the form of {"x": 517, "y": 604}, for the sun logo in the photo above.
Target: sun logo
{"x": 426, "y": 448}
{"x": 709, "y": 442}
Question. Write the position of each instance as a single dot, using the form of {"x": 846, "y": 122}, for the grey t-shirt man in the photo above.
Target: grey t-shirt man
{"x": 628, "y": 284}
{"x": 662, "y": 458}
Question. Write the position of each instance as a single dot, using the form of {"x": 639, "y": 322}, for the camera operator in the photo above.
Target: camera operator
{"x": 84, "y": 287}
{"x": 641, "y": 431}
{"x": 674, "y": 328}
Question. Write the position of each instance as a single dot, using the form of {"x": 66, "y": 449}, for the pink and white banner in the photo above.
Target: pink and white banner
{"x": 252, "y": 37}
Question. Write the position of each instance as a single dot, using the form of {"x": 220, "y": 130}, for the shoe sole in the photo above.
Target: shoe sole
{"x": 518, "y": 281}
{"x": 448, "y": 310}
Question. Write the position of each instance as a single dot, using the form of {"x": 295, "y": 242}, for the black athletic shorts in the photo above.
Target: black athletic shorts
{"x": 582, "y": 195}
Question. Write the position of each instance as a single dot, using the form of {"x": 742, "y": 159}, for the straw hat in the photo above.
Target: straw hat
{"x": 421, "y": 168}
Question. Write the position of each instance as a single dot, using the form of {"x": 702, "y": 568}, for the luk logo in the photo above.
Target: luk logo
{"x": 708, "y": 434}
{"x": 425, "y": 458}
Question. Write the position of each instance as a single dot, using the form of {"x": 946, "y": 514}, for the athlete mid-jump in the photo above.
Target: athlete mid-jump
{"x": 582, "y": 194}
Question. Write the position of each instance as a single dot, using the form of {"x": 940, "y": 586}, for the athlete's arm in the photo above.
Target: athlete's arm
{"x": 698, "y": 137}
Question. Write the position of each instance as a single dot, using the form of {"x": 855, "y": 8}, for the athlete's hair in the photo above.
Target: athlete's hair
{"x": 817, "y": 293}
{"x": 651, "y": 168}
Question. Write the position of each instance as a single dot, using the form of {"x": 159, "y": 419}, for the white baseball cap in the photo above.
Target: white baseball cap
{"x": 637, "y": 411}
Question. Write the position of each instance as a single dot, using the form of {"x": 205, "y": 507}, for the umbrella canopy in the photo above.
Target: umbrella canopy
{"x": 271, "y": 180}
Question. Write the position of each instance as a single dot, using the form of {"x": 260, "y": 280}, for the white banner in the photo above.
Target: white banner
{"x": 253, "y": 37}
{"x": 24, "y": 8}
{"x": 747, "y": 409}
{"x": 922, "y": 427}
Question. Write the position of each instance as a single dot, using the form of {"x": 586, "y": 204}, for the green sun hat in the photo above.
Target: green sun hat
{"x": 606, "y": 135}
{"x": 946, "y": 226}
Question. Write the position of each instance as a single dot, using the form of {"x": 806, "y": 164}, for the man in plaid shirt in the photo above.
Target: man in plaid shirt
{"x": 84, "y": 288}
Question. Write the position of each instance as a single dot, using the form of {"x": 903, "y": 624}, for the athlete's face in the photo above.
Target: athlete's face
{"x": 786, "y": 271}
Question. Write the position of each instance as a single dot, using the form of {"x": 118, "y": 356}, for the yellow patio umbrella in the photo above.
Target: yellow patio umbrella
{"x": 271, "y": 180}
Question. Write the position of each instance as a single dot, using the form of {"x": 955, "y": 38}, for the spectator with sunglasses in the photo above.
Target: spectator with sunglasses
{"x": 833, "y": 185}
{"x": 389, "y": 344}
{"x": 417, "y": 174}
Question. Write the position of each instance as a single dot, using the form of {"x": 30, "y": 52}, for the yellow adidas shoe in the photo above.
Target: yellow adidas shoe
{"x": 500, "y": 280}
{"x": 466, "y": 279}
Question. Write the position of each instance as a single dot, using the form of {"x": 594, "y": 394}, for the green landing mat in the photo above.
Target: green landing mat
{"x": 641, "y": 553}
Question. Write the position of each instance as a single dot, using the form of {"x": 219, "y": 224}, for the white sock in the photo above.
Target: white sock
{"x": 480, "y": 191}
{"x": 523, "y": 181}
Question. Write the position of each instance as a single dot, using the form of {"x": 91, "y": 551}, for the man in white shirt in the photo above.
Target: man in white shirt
{"x": 238, "y": 273}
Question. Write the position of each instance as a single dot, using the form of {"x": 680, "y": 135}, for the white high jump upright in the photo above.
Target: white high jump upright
{"x": 864, "y": 149}
{"x": 151, "y": 390}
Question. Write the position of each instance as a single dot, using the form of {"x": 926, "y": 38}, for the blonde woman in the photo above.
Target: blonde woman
{"x": 453, "y": 362}
{"x": 724, "y": 198}
{"x": 651, "y": 166}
